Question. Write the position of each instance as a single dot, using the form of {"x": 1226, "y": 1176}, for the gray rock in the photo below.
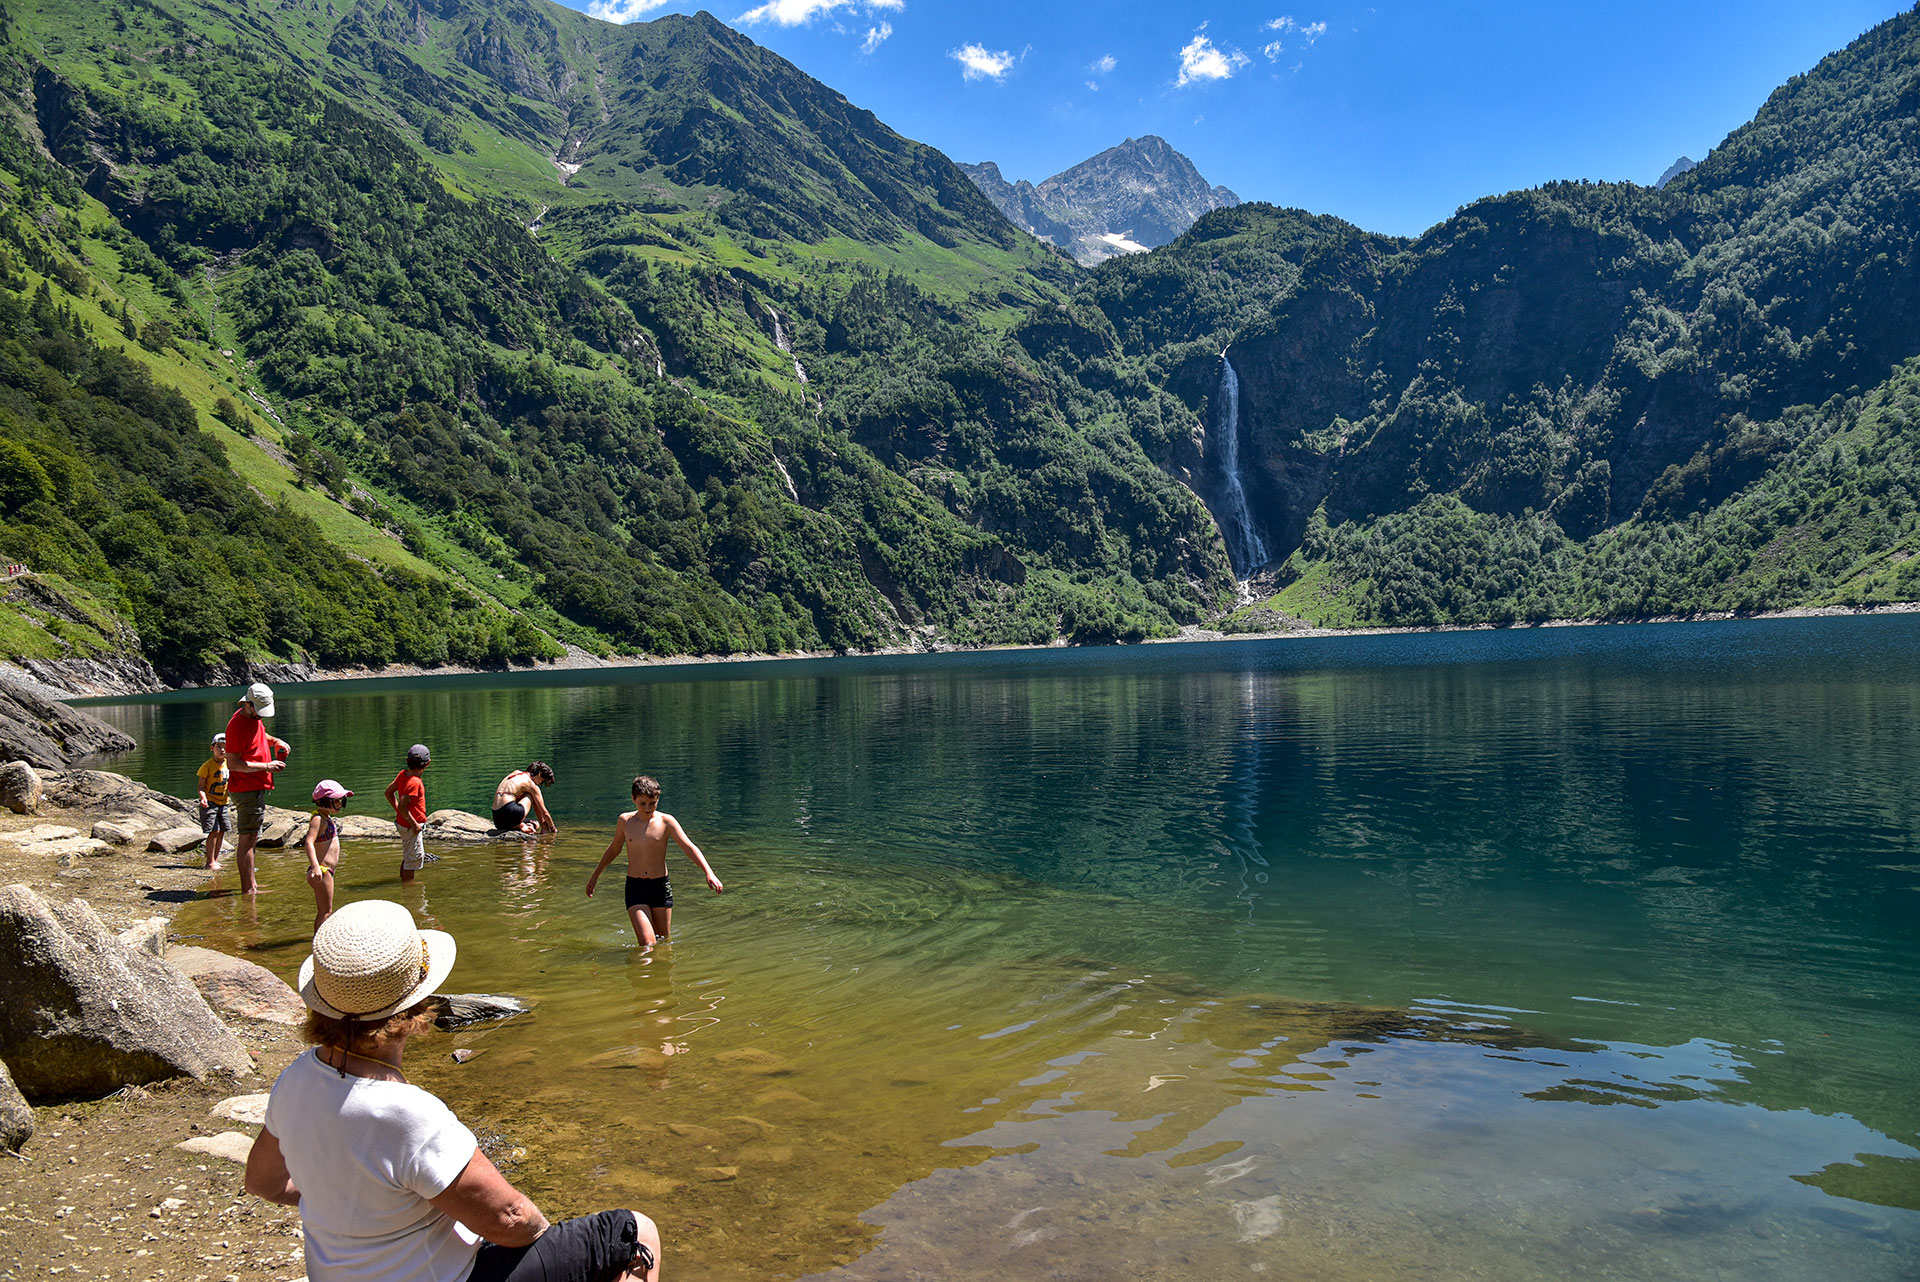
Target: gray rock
{"x": 458, "y": 825}
{"x": 280, "y": 826}
{"x": 49, "y": 734}
{"x": 16, "y": 1115}
{"x": 461, "y": 1009}
{"x": 174, "y": 840}
{"x": 114, "y": 834}
{"x": 116, "y": 797}
{"x": 20, "y": 788}
{"x": 235, "y": 986}
{"x": 81, "y": 1015}
{"x": 251, "y": 1109}
{"x": 364, "y": 826}
{"x": 149, "y": 936}
{"x": 232, "y": 1145}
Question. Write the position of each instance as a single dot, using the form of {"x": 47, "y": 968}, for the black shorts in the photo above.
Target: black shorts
{"x": 649, "y": 892}
{"x": 589, "y": 1248}
{"x": 510, "y": 816}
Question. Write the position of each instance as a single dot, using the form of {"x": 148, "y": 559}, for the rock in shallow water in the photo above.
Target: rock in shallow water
{"x": 460, "y": 1009}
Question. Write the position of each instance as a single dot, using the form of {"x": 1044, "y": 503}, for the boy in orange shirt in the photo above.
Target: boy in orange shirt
{"x": 407, "y": 794}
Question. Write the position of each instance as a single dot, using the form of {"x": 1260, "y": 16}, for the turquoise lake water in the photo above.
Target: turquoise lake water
{"x": 1579, "y": 953}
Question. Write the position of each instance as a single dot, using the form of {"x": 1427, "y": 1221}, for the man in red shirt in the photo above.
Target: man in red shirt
{"x": 253, "y": 758}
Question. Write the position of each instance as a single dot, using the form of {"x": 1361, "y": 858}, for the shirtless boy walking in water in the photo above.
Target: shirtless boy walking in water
{"x": 644, "y": 832}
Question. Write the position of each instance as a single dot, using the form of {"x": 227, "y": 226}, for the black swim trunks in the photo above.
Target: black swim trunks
{"x": 649, "y": 892}
{"x": 510, "y": 816}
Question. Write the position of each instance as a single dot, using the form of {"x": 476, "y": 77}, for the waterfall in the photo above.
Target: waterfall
{"x": 1245, "y": 548}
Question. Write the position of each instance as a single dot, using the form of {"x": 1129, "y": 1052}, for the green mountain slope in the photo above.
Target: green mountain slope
{"x": 599, "y": 422}
{"x": 1489, "y": 421}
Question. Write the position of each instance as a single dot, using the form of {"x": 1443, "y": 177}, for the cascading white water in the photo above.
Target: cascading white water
{"x": 1245, "y": 547}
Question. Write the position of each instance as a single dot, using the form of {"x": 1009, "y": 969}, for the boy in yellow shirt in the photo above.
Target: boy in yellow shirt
{"x": 213, "y": 800}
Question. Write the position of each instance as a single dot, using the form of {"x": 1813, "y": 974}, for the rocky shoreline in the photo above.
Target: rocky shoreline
{"x": 121, "y": 1167}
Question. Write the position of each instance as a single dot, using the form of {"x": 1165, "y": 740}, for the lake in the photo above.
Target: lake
{"x": 1568, "y": 953}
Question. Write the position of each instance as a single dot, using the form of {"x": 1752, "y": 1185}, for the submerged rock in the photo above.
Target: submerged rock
{"x": 458, "y": 1010}
{"x": 83, "y": 1015}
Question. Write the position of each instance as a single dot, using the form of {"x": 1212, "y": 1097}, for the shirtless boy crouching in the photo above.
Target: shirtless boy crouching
{"x": 644, "y": 831}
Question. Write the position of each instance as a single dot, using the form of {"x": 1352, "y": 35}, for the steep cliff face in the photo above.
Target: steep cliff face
{"x": 1139, "y": 195}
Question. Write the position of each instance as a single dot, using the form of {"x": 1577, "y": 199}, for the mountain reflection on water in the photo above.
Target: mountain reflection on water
{"x": 1583, "y": 952}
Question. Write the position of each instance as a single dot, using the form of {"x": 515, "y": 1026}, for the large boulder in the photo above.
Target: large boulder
{"x": 16, "y": 1115}
{"x": 280, "y": 827}
{"x": 458, "y": 825}
{"x": 235, "y": 986}
{"x": 82, "y": 1015}
{"x": 175, "y": 840}
{"x": 364, "y": 826}
{"x": 20, "y": 788}
{"x": 49, "y": 734}
{"x": 103, "y": 794}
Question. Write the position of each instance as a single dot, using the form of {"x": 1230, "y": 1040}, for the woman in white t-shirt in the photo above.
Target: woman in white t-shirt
{"x": 390, "y": 1185}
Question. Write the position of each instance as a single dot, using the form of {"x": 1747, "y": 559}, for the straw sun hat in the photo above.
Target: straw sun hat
{"x": 369, "y": 961}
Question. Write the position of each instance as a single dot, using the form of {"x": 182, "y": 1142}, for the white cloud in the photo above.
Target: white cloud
{"x": 1313, "y": 31}
{"x": 1093, "y": 86}
{"x": 1273, "y": 51}
{"x": 876, "y": 36}
{"x": 790, "y": 13}
{"x": 977, "y": 62}
{"x": 1282, "y": 24}
{"x": 622, "y": 11}
{"x": 1200, "y": 60}
{"x": 1101, "y": 66}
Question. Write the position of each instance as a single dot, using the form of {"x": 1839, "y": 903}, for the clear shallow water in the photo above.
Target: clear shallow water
{"x": 1574, "y": 953}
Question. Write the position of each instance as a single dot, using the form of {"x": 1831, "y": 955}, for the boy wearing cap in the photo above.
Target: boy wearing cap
{"x": 407, "y": 794}
{"x": 213, "y": 800}
{"x": 253, "y": 758}
{"x": 323, "y": 845}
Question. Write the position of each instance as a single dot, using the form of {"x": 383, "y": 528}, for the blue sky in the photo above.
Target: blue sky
{"x": 1390, "y": 115}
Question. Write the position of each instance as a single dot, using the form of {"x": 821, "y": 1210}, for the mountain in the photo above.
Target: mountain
{"x": 1673, "y": 171}
{"x": 462, "y": 331}
{"x": 1137, "y": 196}
{"x": 529, "y": 331}
{"x": 1583, "y": 400}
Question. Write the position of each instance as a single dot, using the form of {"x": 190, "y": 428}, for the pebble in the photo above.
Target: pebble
{"x": 463, "y": 1055}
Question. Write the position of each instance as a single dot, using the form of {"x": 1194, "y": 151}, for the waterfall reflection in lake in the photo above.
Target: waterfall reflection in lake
{"x": 1571, "y": 953}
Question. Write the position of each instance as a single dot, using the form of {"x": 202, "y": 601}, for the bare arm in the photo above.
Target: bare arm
{"x": 540, "y": 808}
{"x": 481, "y": 1199}
{"x": 613, "y": 849}
{"x": 237, "y": 762}
{"x": 679, "y": 834}
{"x": 312, "y": 843}
{"x": 267, "y": 1171}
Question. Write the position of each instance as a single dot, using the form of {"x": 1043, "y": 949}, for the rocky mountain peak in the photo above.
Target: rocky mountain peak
{"x": 1132, "y": 197}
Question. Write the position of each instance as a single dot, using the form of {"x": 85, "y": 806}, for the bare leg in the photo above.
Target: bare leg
{"x": 243, "y": 859}
{"x": 213, "y": 849}
{"x": 642, "y": 926}
{"x": 322, "y": 899}
{"x": 662, "y": 921}
{"x": 406, "y": 873}
{"x": 650, "y": 1238}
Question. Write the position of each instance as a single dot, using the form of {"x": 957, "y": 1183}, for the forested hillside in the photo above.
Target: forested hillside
{"x": 583, "y": 419}
{"x": 1583, "y": 400}
{"x": 454, "y": 331}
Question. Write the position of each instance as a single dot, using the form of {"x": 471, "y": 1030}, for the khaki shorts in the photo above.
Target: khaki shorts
{"x": 413, "y": 849}
{"x": 249, "y": 812}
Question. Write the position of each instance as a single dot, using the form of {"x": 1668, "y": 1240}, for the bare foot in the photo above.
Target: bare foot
{"x": 214, "y": 867}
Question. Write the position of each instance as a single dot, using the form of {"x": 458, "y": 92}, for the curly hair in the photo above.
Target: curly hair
{"x": 361, "y": 1035}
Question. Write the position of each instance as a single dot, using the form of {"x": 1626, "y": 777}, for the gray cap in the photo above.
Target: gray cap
{"x": 418, "y": 752}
